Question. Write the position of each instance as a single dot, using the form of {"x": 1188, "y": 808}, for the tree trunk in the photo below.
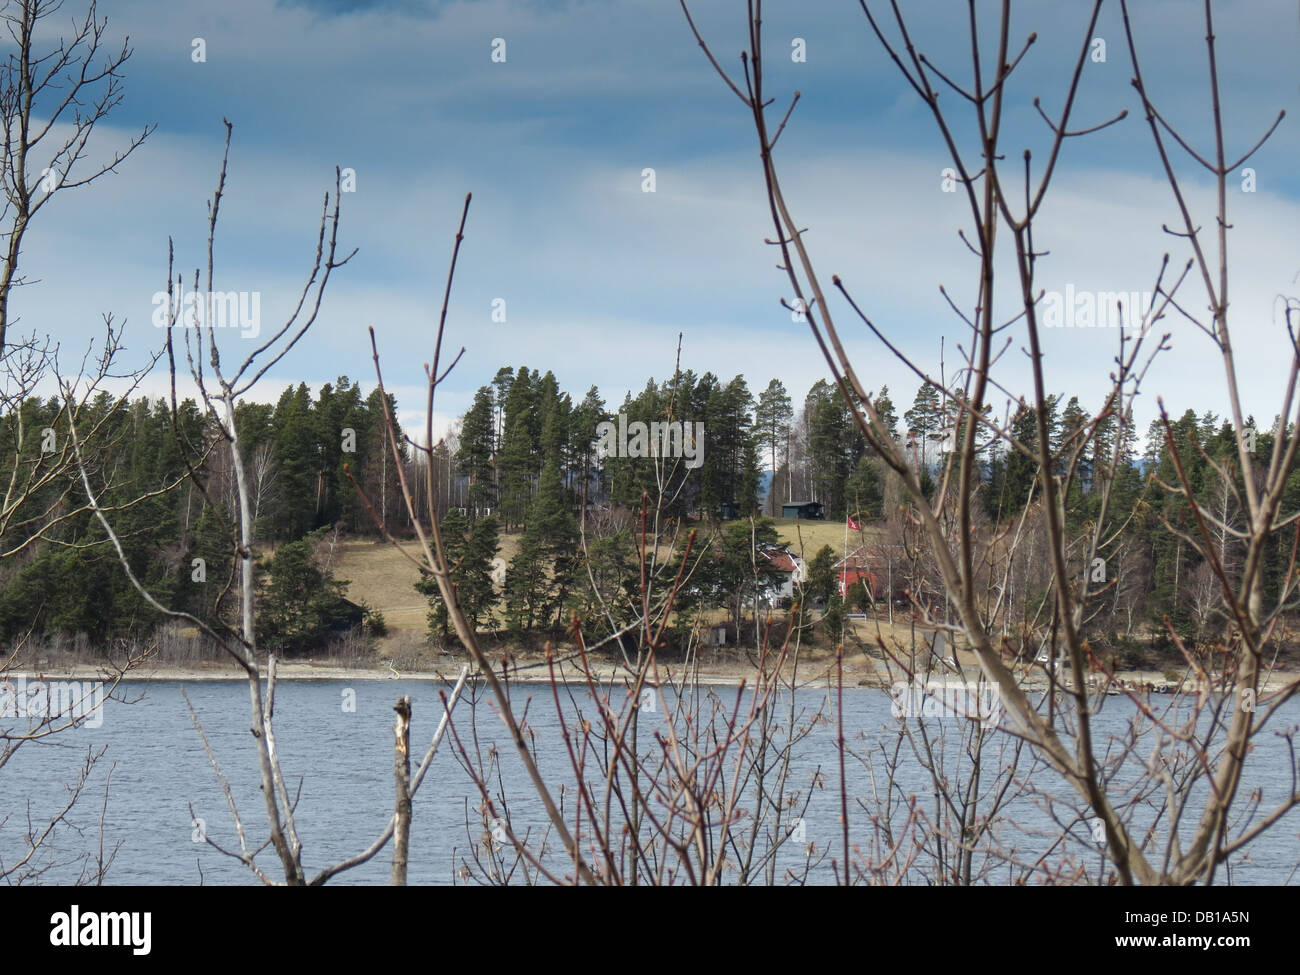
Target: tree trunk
{"x": 402, "y": 779}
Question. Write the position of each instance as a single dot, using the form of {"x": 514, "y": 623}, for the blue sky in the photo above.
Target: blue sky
{"x": 598, "y": 278}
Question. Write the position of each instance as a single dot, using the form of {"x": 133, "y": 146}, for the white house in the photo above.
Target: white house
{"x": 789, "y": 568}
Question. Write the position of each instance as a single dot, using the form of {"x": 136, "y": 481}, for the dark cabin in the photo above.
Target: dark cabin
{"x": 730, "y": 511}
{"x": 808, "y": 510}
{"x": 346, "y": 616}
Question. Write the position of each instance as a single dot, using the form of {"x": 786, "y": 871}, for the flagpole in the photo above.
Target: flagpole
{"x": 844, "y": 589}
{"x": 844, "y": 566}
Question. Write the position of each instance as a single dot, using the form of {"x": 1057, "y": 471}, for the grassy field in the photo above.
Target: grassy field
{"x": 381, "y": 577}
{"x": 807, "y": 537}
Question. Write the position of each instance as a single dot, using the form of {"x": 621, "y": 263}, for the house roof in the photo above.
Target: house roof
{"x": 780, "y": 560}
{"x": 865, "y": 556}
{"x": 859, "y": 558}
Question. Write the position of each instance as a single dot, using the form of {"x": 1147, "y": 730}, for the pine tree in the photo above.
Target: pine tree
{"x": 518, "y": 459}
{"x": 924, "y": 420}
{"x": 301, "y": 604}
{"x": 864, "y": 490}
{"x": 582, "y": 442}
{"x": 295, "y": 446}
{"x": 1070, "y": 440}
{"x": 526, "y": 585}
{"x": 454, "y": 529}
{"x": 201, "y": 584}
{"x": 820, "y": 581}
{"x": 501, "y": 383}
{"x": 478, "y": 592}
{"x": 608, "y": 582}
{"x": 772, "y": 419}
{"x": 835, "y": 446}
{"x": 886, "y": 411}
{"x": 1019, "y": 471}
{"x": 377, "y": 472}
{"x": 475, "y": 454}
{"x": 540, "y": 577}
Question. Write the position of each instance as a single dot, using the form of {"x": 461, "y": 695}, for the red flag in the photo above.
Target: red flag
{"x": 853, "y": 525}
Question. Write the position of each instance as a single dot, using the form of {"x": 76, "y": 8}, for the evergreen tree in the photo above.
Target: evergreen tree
{"x": 501, "y": 383}
{"x": 474, "y": 457}
{"x": 820, "y": 580}
{"x": 518, "y": 459}
{"x": 924, "y": 420}
{"x": 295, "y": 447}
{"x": 541, "y": 576}
{"x": 203, "y": 584}
{"x": 583, "y": 422}
{"x": 864, "y": 490}
{"x": 455, "y": 535}
{"x": 477, "y": 591}
{"x": 469, "y": 552}
{"x": 1074, "y": 422}
{"x": 608, "y": 586}
{"x": 886, "y": 411}
{"x": 772, "y": 419}
{"x": 835, "y": 445}
{"x": 301, "y": 604}
{"x": 377, "y": 471}
{"x": 833, "y": 617}
{"x": 526, "y": 585}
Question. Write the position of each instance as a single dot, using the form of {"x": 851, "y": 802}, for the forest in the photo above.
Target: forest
{"x": 524, "y": 460}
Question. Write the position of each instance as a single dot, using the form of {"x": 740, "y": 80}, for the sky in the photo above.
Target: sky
{"x": 597, "y": 277}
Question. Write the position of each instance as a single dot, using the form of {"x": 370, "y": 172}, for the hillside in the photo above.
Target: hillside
{"x": 383, "y": 578}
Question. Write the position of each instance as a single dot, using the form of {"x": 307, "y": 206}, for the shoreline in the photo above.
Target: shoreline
{"x": 531, "y": 672}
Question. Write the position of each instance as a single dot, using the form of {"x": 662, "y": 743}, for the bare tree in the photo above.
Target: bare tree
{"x": 50, "y": 103}
{"x": 699, "y": 799}
{"x": 220, "y": 388}
{"x": 1144, "y": 837}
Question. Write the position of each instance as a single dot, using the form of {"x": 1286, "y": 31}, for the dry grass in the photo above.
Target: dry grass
{"x": 385, "y": 580}
{"x": 806, "y": 538}
{"x": 379, "y": 576}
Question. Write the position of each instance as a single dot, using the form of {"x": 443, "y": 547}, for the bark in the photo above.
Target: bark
{"x": 402, "y": 780}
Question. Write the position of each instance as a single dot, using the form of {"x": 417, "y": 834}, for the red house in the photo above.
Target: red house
{"x": 871, "y": 565}
{"x": 859, "y": 566}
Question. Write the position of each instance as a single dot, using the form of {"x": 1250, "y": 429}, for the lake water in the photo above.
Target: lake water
{"x": 344, "y": 758}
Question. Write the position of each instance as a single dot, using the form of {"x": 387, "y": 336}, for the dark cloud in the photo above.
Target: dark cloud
{"x": 340, "y": 8}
